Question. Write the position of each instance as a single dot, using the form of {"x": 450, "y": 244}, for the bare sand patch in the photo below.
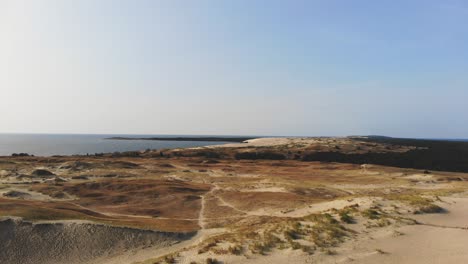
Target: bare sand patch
{"x": 74, "y": 242}
{"x": 439, "y": 238}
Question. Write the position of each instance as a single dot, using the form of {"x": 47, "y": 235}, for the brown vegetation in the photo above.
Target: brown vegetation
{"x": 261, "y": 199}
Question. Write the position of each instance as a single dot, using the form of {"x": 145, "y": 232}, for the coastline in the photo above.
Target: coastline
{"x": 212, "y": 139}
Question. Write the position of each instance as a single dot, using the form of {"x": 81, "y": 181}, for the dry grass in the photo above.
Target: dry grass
{"x": 156, "y": 198}
{"x": 421, "y": 204}
{"x": 250, "y": 198}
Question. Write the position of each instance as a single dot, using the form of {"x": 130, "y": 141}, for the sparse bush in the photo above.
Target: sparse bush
{"x": 423, "y": 205}
{"x": 291, "y": 235}
{"x": 371, "y": 214}
{"x": 219, "y": 251}
{"x": 329, "y": 218}
{"x": 327, "y": 231}
{"x": 211, "y": 261}
{"x": 269, "y": 242}
{"x": 307, "y": 249}
{"x": 257, "y": 247}
{"x": 261, "y": 248}
{"x": 169, "y": 259}
{"x": 383, "y": 222}
{"x": 260, "y": 155}
{"x": 429, "y": 209}
{"x": 207, "y": 247}
{"x": 380, "y": 251}
{"x": 235, "y": 250}
{"x": 346, "y": 218}
{"x": 295, "y": 245}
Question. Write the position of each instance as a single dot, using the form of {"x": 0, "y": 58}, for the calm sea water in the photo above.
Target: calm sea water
{"x": 67, "y": 144}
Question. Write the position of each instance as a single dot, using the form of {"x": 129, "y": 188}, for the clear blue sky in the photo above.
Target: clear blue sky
{"x": 397, "y": 68}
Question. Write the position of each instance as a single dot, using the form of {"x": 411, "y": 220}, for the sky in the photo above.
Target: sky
{"x": 245, "y": 67}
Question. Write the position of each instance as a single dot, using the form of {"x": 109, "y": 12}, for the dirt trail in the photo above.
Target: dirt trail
{"x": 201, "y": 216}
{"x": 224, "y": 203}
{"x": 202, "y": 234}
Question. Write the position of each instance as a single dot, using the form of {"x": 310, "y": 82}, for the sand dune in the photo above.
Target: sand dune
{"x": 74, "y": 242}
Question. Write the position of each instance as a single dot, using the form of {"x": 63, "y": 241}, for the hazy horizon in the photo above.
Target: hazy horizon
{"x": 273, "y": 68}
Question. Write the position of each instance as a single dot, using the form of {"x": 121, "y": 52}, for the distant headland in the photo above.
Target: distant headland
{"x": 211, "y": 139}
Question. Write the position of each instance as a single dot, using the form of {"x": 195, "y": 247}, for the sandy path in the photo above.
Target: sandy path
{"x": 224, "y": 203}
{"x": 201, "y": 216}
{"x": 152, "y": 253}
{"x": 146, "y": 255}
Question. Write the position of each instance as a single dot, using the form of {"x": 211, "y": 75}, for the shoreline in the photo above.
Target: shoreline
{"x": 211, "y": 139}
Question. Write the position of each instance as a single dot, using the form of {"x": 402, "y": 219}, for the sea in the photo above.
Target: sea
{"x": 71, "y": 144}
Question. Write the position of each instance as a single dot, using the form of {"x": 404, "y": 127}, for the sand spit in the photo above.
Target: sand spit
{"x": 75, "y": 242}
{"x": 266, "y": 142}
